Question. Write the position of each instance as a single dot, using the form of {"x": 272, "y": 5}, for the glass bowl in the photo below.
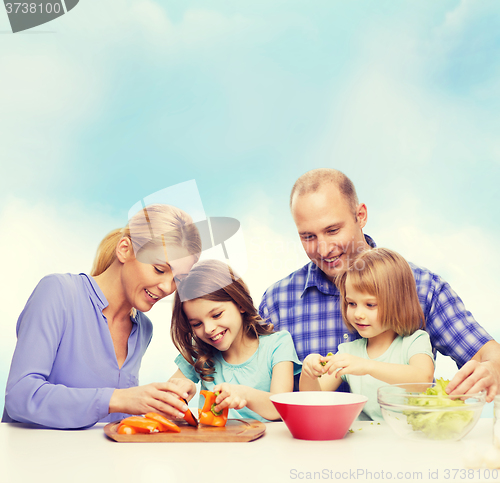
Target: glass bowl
{"x": 414, "y": 415}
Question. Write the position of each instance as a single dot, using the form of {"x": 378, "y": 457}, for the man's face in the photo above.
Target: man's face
{"x": 330, "y": 232}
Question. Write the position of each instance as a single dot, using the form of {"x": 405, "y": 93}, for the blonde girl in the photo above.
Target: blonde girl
{"x": 380, "y": 302}
{"x": 225, "y": 344}
{"x": 81, "y": 337}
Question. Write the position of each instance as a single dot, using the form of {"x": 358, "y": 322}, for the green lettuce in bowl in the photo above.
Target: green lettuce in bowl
{"x": 438, "y": 424}
{"x": 425, "y": 411}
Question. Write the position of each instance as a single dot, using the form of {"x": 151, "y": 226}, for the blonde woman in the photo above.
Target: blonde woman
{"x": 379, "y": 301}
{"x": 81, "y": 338}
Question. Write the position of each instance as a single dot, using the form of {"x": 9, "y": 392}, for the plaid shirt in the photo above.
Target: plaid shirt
{"x": 307, "y": 304}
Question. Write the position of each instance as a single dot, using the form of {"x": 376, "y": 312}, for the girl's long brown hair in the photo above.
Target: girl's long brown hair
{"x": 387, "y": 276}
{"x": 216, "y": 281}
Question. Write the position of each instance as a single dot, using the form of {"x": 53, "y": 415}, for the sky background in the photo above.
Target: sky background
{"x": 117, "y": 100}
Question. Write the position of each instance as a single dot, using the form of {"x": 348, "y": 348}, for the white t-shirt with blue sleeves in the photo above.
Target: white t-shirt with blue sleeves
{"x": 255, "y": 372}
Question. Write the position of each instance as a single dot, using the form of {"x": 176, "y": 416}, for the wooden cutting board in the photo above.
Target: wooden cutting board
{"x": 236, "y": 430}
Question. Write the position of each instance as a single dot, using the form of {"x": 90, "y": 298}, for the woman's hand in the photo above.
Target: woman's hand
{"x": 184, "y": 385}
{"x": 159, "y": 397}
{"x": 230, "y": 396}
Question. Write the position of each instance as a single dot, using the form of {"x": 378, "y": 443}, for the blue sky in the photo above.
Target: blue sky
{"x": 119, "y": 99}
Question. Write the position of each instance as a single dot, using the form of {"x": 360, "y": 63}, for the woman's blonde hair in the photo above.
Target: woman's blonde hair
{"x": 174, "y": 225}
{"x": 208, "y": 280}
{"x": 387, "y": 276}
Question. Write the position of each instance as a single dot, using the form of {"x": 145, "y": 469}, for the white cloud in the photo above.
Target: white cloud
{"x": 383, "y": 122}
{"x": 271, "y": 255}
{"x": 145, "y": 26}
{"x": 54, "y": 85}
{"x": 466, "y": 16}
{"x": 418, "y": 95}
{"x": 46, "y": 96}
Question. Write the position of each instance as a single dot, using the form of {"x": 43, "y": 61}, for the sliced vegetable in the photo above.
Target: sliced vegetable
{"x": 124, "y": 429}
{"x": 165, "y": 424}
{"x": 141, "y": 424}
{"x": 189, "y": 416}
{"x": 208, "y": 415}
{"x": 150, "y": 423}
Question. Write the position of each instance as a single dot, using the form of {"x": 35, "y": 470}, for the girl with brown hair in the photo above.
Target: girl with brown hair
{"x": 225, "y": 345}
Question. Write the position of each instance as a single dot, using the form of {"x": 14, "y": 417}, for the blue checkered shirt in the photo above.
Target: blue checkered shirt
{"x": 307, "y": 304}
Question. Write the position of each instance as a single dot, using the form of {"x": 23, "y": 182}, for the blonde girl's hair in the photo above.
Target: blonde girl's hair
{"x": 208, "y": 280}
{"x": 175, "y": 226}
{"x": 387, "y": 276}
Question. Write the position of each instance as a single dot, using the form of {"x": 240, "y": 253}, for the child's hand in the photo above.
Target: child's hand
{"x": 185, "y": 386}
{"x": 315, "y": 365}
{"x": 347, "y": 364}
{"x": 230, "y": 396}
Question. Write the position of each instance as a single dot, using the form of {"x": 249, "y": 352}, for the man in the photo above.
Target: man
{"x": 330, "y": 223}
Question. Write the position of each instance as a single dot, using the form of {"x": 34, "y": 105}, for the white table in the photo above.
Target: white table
{"x": 371, "y": 453}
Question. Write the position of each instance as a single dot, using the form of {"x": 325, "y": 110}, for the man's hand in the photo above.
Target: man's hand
{"x": 473, "y": 377}
{"x": 481, "y": 372}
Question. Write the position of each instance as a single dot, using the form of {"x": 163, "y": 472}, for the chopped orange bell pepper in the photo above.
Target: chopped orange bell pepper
{"x": 165, "y": 424}
{"x": 208, "y": 415}
{"x": 150, "y": 423}
{"x": 189, "y": 416}
{"x": 141, "y": 425}
{"x": 124, "y": 429}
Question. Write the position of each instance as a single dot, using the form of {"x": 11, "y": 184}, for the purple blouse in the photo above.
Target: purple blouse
{"x": 64, "y": 369}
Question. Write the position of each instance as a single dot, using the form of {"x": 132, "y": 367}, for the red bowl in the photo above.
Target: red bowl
{"x": 318, "y": 416}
